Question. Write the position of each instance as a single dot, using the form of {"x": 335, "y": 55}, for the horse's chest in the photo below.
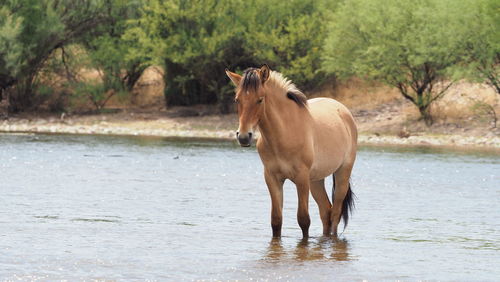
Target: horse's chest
{"x": 279, "y": 165}
{"x": 286, "y": 165}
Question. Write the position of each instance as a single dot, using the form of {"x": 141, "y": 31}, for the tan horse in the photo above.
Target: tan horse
{"x": 301, "y": 140}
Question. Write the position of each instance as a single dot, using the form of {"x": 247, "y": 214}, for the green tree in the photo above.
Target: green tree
{"x": 196, "y": 40}
{"x": 289, "y": 35}
{"x": 407, "y": 44}
{"x": 34, "y": 29}
{"x": 482, "y": 43}
{"x": 108, "y": 48}
{"x": 107, "y": 51}
{"x": 10, "y": 49}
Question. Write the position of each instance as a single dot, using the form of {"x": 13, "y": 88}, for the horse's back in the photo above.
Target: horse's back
{"x": 335, "y": 136}
{"x": 331, "y": 112}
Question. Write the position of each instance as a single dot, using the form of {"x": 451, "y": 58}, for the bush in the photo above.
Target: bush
{"x": 482, "y": 43}
{"x": 408, "y": 44}
{"x": 30, "y": 31}
{"x": 10, "y": 48}
{"x": 98, "y": 93}
{"x": 196, "y": 40}
{"x": 108, "y": 49}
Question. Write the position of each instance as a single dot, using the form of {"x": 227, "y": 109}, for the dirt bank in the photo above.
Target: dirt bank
{"x": 384, "y": 125}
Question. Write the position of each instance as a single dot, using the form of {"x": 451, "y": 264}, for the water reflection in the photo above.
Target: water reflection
{"x": 311, "y": 249}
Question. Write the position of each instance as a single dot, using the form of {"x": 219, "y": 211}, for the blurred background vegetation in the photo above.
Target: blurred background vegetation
{"x": 62, "y": 54}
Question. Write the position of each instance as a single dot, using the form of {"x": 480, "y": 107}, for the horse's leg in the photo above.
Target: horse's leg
{"x": 275, "y": 187}
{"x": 341, "y": 183}
{"x": 303, "y": 186}
{"x": 321, "y": 197}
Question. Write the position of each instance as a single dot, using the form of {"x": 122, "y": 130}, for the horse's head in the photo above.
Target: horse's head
{"x": 250, "y": 99}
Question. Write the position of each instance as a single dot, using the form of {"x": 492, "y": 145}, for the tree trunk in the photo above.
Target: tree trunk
{"x": 426, "y": 115}
{"x": 133, "y": 75}
{"x": 21, "y": 96}
{"x": 4, "y": 104}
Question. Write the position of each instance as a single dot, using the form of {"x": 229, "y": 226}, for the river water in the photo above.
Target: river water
{"x": 111, "y": 208}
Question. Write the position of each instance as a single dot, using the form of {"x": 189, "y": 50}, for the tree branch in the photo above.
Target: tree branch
{"x": 441, "y": 93}
{"x": 69, "y": 75}
{"x": 402, "y": 88}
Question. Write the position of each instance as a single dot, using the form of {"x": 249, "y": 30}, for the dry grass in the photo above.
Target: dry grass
{"x": 149, "y": 89}
{"x": 358, "y": 94}
{"x": 147, "y": 92}
{"x": 466, "y": 108}
{"x": 460, "y": 100}
{"x": 460, "y": 103}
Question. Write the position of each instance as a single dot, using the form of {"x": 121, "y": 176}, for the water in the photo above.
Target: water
{"x": 83, "y": 208}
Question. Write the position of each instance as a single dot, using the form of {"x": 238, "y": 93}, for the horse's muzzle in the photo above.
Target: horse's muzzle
{"x": 245, "y": 139}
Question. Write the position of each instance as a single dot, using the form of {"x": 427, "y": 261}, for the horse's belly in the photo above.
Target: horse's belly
{"x": 325, "y": 164}
{"x": 330, "y": 147}
{"x": 332, "y": 139}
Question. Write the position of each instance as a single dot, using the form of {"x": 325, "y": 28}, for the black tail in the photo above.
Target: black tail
{"x": 347, "y": 205}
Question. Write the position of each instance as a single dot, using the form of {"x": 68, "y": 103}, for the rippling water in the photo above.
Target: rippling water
{"x": 83, "y": 207}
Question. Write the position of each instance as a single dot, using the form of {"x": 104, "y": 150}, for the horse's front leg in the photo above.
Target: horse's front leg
{"x": 303, "y": 186}
{"x": 275, "y": 186}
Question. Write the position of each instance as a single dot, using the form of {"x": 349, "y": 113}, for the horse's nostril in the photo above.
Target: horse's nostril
{"x": 237, "y": 134}
{"x": 250, "y": 135}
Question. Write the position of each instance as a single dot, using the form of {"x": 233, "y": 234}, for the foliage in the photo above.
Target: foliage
{"x": 10, "y": 53}
{"x": 419, "y": 46}
{"x": 196, "y": 40}
{"x": 482, "y": 43}
{"x": 408, "y": 44}
{"x": 108, "y": 48}
{"x": 78, "y": 79}
{"x": 35, "y": 28}
{"x": 105, "y": 50}
{"x": 10, "y": 28}
{"x": 97, "y": 92}
{"x": 289, "y": 35}
{"x": 484, "y": 111}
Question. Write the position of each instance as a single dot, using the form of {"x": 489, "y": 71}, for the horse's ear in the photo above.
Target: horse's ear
{"x": 264, "y": 73}
{"x": 235, "y": 78}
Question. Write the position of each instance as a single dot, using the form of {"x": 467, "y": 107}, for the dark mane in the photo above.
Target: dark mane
{"x": 251, "y": 80}
{"x": 292, "y": 92}
{"x": 298, "y": 97}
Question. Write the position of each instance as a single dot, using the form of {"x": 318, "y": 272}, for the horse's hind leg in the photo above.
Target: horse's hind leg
{"x": 321, "y": 197}
{"x": 340, "y": 191}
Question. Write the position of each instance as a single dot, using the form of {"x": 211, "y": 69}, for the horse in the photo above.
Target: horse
{"x": 302, "y": 140}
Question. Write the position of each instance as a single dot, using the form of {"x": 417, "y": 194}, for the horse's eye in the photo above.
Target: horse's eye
{"x": 260, "y": 100}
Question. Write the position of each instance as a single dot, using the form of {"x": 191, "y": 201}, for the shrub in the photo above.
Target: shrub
{"x": 408, "y": 44}
{"x": 196, "y": 40}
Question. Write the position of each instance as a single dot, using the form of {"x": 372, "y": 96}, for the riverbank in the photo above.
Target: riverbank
{"x": 198, "y": 125}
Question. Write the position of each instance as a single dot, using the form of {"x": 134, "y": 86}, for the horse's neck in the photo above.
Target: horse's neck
{"x": 281, "y": 120}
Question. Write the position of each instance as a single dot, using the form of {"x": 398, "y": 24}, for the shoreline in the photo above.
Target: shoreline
{"x": 211, "y": 130}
